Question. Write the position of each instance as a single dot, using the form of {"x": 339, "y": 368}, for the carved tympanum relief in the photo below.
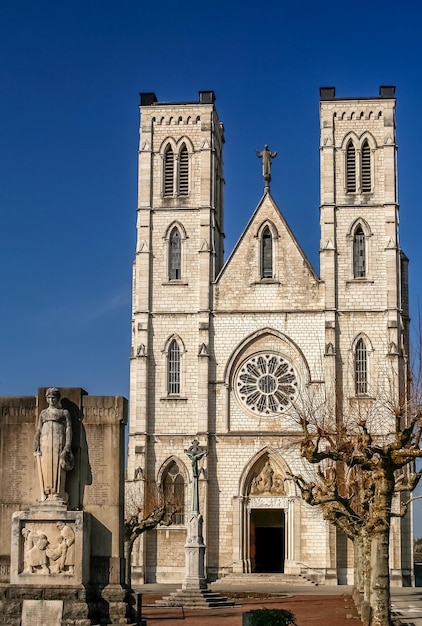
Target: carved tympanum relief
{"x": 267, "y": 481}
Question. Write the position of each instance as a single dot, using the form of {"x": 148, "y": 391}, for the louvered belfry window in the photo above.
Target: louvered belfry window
{"x": 350, "y": 167}
{"x": 175, "y": 270}
{"x": 361, "y": 368}
{"x": 183, "y": 172}
{"x": 366, "y": 168}
{"x": 267, "y": 254}
{"x": 168, "y": 172}
{"x": 359, "y": 258}
{"x": 173, "y": 380}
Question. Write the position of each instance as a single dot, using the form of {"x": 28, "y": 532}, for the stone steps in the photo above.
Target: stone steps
{"x": 195, "y": 598}
{"x": 266, "y": 579}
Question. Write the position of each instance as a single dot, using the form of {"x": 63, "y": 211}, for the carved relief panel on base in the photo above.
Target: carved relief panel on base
{"x": 50, "y": 546}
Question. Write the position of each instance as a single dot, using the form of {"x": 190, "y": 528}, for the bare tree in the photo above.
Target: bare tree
{"x": 364, "y": 472}
{"x": 145, "y": 509}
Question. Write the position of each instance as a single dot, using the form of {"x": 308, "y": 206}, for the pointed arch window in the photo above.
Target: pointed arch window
{"x": 175, "y": 257}
{"x": 366, "y": 168}
{"x": 174, "y": 491}
{"x": 361, "y": 368}
{"x": 266, "y": 254}
{"x": 350, "y": 167}
{"x": 183, "y": 180}
{"x": 359, "y": 253}
{"x": 173, "y": 368}
{"x": 168, "y": 172}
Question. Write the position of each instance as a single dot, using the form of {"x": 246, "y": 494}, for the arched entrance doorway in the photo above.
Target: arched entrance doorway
{"x": 267, "y": 512}
{"x": 267, "y": 540}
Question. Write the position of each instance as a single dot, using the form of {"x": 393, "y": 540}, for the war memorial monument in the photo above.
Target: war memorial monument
{"x": 61, "y": 520}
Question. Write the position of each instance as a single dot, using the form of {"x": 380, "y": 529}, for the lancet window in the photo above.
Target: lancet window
{"x": 359, "y": 253}
{"x": 173, "y": 368}
{"x": 358, "y": 167}
{"x": 366, "y": 168}
{"x": 168, "y": 172}
{"x": 266, "y": 254}
{"x": 174, "y": 491}
{"x": 183, "y": 180}
{"x": 175, "y": 260}
{"x": 361, "y": 368}
{"x": 350, "y": 167}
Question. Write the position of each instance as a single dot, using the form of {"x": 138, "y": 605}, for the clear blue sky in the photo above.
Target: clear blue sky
{"x": 70, "y": 75}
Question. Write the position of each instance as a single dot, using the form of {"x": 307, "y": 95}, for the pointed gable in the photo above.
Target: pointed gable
{"x": 267, "y": 268}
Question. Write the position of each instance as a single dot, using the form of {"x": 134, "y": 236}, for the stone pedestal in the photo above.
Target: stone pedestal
{"x": 194, "y": 554}
{"x": 51, "y": 564}
{"x": 50, "y": 547}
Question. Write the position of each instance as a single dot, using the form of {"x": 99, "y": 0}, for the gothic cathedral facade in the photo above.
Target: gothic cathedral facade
{"x": 226, "y": 351}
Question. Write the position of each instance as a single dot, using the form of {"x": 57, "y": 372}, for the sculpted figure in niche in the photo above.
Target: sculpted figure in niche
{"x": 267, "y": 482}
{"x": 52, "y": 447}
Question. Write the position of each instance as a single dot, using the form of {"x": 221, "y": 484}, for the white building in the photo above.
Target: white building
{"x": 222, "y": 351}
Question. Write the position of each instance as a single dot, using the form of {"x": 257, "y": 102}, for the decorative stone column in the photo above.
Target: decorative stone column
{"x": 194, "y": 591}
{"x": 195, "y": 546}
{"x": 194, "y": 554}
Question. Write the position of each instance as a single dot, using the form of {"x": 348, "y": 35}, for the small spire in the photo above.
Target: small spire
{"x": 266, "y": 155}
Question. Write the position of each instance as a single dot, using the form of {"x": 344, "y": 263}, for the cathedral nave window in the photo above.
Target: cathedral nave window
{"x": 361, "y": 368}
{"x": 175, "y": 262}
{"x": 168, "y": 172}
{"x": 267, "y": 254}
{"x": 173, "y": 369}
{"x": 174, "y": 491}
{"x": 359, "y": 253}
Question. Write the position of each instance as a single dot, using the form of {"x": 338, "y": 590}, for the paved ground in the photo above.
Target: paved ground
{"x": 407, "y": 605}
{"x": 312, "y": 606}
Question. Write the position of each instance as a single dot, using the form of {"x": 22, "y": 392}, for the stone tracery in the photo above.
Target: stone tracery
{"x": 267, "y": 384}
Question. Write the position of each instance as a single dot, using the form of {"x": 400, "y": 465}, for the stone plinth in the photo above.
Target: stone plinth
{"x": 41, "y": 554}
{"x": 194, "y": 554}
{"x": 74, "y": 601}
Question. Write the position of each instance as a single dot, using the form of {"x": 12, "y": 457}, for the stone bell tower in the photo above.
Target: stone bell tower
{"x": 362, "y": 264}
{"x": 179, "y": 252}
{"x": 363, "y": 267}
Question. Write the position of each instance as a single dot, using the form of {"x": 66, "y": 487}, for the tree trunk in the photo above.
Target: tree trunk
{"x": 362, "y": 555}
{"x": 380, "y": 547}
{"x": 380, "y": 579}
{"x": 358, "y": 573}
{"x": 128, "y": 549}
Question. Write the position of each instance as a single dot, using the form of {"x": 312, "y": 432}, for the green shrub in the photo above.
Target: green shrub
{"x": 271, "y": 617}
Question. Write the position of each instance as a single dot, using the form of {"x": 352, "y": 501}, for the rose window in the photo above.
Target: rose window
{"x": 267, "y": 384}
